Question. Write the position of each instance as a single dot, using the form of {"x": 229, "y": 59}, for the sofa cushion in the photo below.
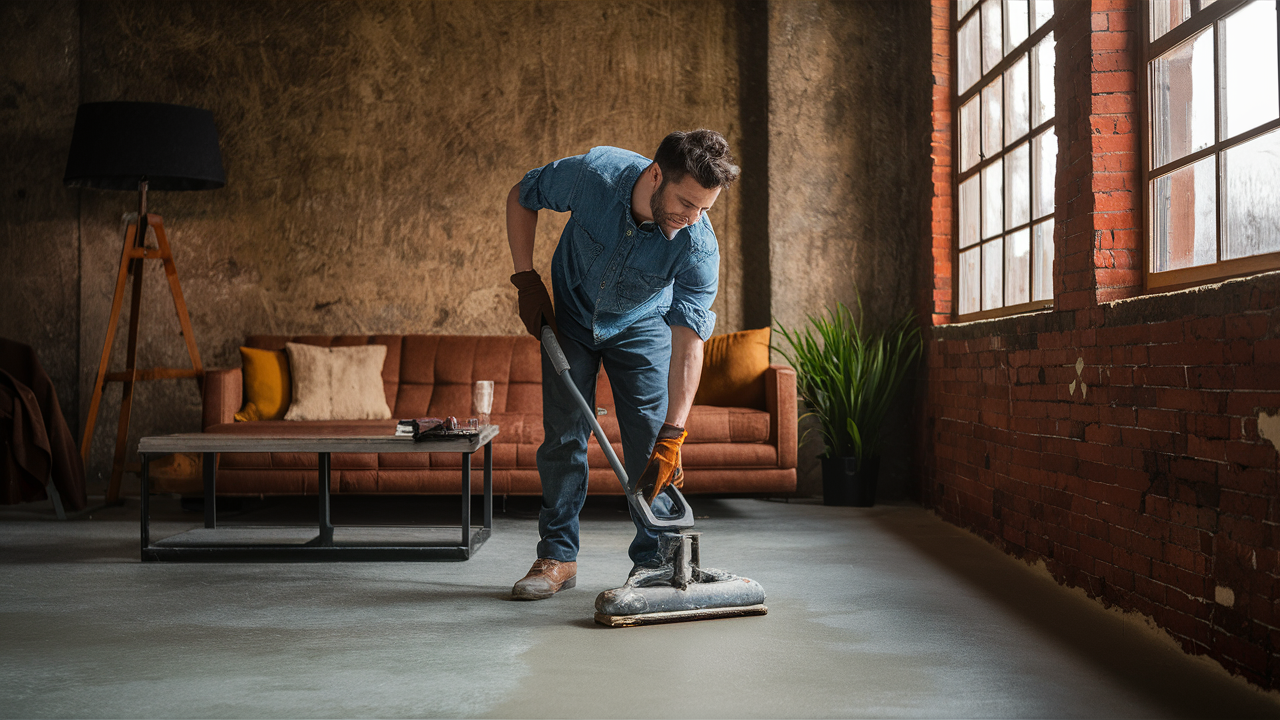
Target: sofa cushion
{"x": 343, "y": 383}
{"x": 709, "y": 424}
{"x": 390, "y": 366}
{"x": 268, "y": 386}
{"x": 733, "y": 367}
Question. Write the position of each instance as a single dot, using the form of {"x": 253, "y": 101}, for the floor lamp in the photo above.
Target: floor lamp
{"x": 137, "y": 146}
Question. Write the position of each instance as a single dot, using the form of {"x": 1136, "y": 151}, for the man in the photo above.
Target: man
{"x": 634, "y": 275}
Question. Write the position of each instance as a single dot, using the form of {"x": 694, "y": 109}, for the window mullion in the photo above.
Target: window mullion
{"x": 1176, "y": 36}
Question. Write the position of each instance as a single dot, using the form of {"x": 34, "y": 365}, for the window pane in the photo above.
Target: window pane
{"x": 1043, "y": 107}
{"x": 969, "y": 134}
{"x": 1042, "y": 262}
{"x": 1183, "y": 212}
{"x": 992, "y": 35}
{"x": 968, "y": 59}
{"x": 1252, "y": 173}
{"x": 1250, "y": 93}
{"x": 991, "y": 103}
{"x": 964, "y": 7}
{"x": 1016, "y": 14}
{"x": 993, "y": 199}
{"x": 1045, "y": 148}
{"x": 1017, "y": 98}
{"x": 1167, "y": 15}
{"x": 970, "y": 211}
{"x": 992, "y": 274}
{"x": 1044, "y": 11}
{"x": 969, "y": 281}
{"x": 1017, "y": 267}
{"x": 1017, "y": 183}
{"x": 1182, "y": 99}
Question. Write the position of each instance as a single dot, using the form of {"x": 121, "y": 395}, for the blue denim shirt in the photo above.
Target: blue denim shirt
{"x": 610, "y": 271}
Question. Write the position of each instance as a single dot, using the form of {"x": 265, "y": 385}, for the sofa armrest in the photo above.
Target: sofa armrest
{"x": 222, "y": 394}
{"x": 784, "y": 422}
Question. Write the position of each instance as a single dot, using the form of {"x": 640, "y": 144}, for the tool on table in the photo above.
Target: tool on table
{"x": 431, "y": 428}
{"x": 678, "y": 589}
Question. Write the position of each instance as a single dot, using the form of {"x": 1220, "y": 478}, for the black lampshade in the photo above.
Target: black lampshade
{"x": 117, "y": 144}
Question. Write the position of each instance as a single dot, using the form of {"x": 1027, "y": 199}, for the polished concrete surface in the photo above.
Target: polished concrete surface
{"x": 880, "y": 612}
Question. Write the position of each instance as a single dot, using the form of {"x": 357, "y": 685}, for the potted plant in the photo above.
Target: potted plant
{"x": 849, "y": 377}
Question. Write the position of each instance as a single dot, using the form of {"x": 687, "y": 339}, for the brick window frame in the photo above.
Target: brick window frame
{"x": 1205, "y": 15}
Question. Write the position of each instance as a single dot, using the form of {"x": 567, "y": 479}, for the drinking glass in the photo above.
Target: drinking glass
{"x": 482, "y": 399}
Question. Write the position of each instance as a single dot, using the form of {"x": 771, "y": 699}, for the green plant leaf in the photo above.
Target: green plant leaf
{"x": 849, "y": 377}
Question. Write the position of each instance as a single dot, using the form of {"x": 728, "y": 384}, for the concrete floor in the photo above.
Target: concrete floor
{"x": 882, "y": 612}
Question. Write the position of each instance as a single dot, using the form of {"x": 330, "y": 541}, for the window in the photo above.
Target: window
{"x": 1006, "y": 156}
{"x": 1212, "y": 145}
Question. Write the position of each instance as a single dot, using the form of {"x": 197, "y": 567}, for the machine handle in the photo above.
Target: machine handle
{"x": 635, "y": 498}
{"x": 554, "y": 352}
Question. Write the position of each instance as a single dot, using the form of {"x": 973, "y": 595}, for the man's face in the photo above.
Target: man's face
{"x": 677, "y": 204}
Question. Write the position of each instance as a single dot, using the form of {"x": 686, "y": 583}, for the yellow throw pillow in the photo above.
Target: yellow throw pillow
{"x": 733, "y": 367}
{"x": 268, "y": 390}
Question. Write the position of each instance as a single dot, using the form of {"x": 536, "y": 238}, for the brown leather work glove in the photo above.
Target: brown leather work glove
{"x": 535, "y": 302}
{"x": 664, "y": 464}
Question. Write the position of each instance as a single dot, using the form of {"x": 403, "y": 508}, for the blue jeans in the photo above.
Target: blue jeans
{"x": 637, "y": 360}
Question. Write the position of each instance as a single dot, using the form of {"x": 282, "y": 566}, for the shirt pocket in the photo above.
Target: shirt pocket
{"x": 638, "y": 286}
{"x": 585, "y": 252}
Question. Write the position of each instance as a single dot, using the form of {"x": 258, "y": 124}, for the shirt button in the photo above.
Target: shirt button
{"x": 602, "y": 286}
{"x": 628, "y": 233}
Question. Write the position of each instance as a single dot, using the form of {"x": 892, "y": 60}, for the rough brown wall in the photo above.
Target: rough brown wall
{"x": 369, "y": 147}
{"x": 848, "y": 152}
{"x": 39, "y": 248}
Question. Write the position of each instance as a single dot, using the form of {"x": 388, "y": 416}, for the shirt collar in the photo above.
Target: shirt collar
{"x": 626, "y": 184}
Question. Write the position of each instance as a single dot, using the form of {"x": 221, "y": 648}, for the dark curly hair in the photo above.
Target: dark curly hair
{"x": 704, "y": 154}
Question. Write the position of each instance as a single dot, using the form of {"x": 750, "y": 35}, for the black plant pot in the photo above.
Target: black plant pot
{"x": 843, "y": 483}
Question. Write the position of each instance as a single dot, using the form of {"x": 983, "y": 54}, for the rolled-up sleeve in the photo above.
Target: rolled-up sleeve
{"x": 692, "y": 293}
{"x": 552, "y": 186}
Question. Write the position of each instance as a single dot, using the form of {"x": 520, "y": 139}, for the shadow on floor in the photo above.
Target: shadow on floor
{"x": 1070, "y": 620}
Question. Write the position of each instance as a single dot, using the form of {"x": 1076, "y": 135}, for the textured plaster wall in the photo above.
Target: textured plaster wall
{"x": 848, "y": 168}
{"x": 39, "y": 244}
{"x": 369, "y": 147}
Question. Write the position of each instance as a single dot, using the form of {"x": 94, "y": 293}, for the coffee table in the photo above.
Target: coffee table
{"x": 304, "y": 543}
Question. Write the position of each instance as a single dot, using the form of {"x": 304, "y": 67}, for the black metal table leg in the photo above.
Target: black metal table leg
{"x": 326, "y": 527}
{"x": 488, "y": 485}
{"x": 210, "y": 490}
{"x": 466, "y": 501}
{"x": 146, "y": 503}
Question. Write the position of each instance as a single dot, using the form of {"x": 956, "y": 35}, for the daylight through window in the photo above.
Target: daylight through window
{"x": 1006, "y": 156}
{"x": 1212, "y": 140}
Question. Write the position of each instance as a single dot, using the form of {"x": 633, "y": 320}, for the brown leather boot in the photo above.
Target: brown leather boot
{"x": 546, "y": 578}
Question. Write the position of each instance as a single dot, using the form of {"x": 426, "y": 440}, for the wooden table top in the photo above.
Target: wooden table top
{"x": 384, "y": 443}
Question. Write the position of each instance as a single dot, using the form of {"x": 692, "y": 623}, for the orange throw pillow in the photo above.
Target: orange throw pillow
{"x": 733, "y": 367}
{"x": 268, "y": 389}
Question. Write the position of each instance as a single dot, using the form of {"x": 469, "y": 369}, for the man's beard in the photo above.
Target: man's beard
{"x": 660, "y": 217}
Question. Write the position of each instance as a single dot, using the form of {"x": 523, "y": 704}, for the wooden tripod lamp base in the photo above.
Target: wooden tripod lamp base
{"x": 129, "y": 146}
{"x": 132, "y": 260}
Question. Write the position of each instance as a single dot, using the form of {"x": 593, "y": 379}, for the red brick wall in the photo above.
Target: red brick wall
{"x": 937, "y": 304}
{"x": 1116, "y": 440}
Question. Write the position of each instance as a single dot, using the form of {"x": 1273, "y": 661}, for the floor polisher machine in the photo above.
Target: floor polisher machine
{"x": 679, "y": 588}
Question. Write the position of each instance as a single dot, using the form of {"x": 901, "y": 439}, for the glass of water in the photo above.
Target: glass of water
{"x": 482, "y": 400}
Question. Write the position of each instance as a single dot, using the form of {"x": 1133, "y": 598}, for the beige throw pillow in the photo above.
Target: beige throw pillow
{"x": 340, "y": 383}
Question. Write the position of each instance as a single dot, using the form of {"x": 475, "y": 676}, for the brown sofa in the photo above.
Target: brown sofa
{"x": 736, "y": 450}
